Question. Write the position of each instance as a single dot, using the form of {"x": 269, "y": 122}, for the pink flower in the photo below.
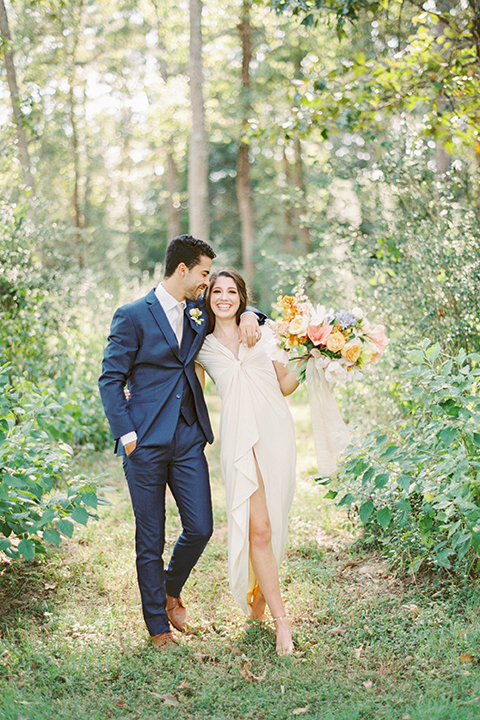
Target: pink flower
{"x": 377, "y": 336}
{"x": 319, "y": 334}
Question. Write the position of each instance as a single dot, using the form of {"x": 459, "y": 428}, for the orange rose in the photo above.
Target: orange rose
{"x": 352, "y": 350}
{"x": 336, "y": 342}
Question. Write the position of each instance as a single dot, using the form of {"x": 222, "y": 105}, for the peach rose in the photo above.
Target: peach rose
{"x": 336, "y": 342}
{"x": 377, "y": 336}
{"x": 351, "y": 351}
{"x": 319, "y": 334}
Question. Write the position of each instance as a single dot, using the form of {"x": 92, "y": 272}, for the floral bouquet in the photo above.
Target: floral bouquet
{"x": 341, "y": 342}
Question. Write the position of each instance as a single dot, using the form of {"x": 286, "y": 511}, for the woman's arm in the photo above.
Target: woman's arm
{"x": 200, "y": 374}
{"x": 287, "y": 380}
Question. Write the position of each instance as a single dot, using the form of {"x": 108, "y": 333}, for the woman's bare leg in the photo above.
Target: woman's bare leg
{"x": 265, "y": 566}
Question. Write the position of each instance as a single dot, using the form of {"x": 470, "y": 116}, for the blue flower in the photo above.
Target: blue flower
{"x": 345, "y": 318}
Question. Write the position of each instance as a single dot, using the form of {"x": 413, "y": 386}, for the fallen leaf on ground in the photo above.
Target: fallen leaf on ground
{"x": 297, "y": 660}
{"x": 467, "y": 658}
{"x": 414, "y": 609}
{"x": 339, "y": 630}
{"x": 50, "y": 586}
{"x": 167, "y": 699}
{"x": 358, "y": 651}
{"x": 301, "y": 711}
{"x": 248, "y": 675}
{"x": 350, "y": 564}
{"x": 470, "y": 702}
{"x": 368, "y": 684}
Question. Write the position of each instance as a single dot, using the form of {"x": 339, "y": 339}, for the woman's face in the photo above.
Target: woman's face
{"x": 224, "y": 298}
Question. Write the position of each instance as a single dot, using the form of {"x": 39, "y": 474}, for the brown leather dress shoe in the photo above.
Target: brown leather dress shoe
{"x": 177, "y": 613}
{"x": 163, "y": 639}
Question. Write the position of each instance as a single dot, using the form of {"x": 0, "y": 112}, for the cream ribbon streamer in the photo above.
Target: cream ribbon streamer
{"x": 330, "y": 434}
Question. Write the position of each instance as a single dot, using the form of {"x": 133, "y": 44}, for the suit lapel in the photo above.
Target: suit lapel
{"x": 194, "y": 331}
{"x": 159, "y": 315}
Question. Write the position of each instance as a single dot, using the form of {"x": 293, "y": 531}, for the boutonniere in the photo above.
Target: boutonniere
{"x": 196, "y": 315}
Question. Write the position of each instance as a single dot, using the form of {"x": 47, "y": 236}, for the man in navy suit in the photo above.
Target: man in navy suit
{"x": 163, "y": 427}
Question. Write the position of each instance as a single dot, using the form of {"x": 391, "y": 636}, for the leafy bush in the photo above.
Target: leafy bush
{"x": 418, "y": 247}
{"x": 32, "y": 467}
{"x": 416, "y": 489}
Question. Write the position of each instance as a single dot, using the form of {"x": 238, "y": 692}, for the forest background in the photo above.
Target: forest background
{"x": 331, "y": 147}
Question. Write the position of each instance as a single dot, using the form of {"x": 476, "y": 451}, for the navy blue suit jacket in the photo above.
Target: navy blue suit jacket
{"x": 143, "y": 353}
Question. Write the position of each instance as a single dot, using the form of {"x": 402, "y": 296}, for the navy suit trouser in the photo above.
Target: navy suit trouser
{"x": 183, "y": 467}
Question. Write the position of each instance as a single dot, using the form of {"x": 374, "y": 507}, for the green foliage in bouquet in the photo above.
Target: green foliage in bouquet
{"x": 38, "y": 505}
{"x": 416, "y": 489}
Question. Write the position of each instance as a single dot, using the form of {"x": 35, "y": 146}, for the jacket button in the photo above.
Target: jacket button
{"x": 178, "y": 397}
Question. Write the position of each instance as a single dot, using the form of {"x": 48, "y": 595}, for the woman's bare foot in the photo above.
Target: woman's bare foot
{"x": 258, "y": 604}
{"x": 284, "y": 636}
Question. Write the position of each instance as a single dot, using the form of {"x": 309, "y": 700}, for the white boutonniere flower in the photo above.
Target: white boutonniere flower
{"x": 196, "y": 315}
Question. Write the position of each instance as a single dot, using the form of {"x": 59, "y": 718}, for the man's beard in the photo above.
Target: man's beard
{"x": 193, "y": 293}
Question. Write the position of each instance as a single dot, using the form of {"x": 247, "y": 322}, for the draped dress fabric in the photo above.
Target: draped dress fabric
{"x": 255, "y": 422}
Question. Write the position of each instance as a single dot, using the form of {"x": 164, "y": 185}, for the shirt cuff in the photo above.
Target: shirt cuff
{"x": 128, "y": 438}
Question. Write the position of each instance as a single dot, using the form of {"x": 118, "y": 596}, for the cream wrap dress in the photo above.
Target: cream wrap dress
{"x": 255, "y": 418}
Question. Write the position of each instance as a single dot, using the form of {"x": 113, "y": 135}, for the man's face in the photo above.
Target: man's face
{"x": 195, "y": 279}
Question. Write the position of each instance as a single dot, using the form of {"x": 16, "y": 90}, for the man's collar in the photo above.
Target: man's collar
{"x": 166, "y": 300}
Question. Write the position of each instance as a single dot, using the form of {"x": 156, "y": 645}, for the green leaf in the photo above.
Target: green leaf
{"x": 391, "y": 450}
{"x": 347, "y": 499}
{"x": 4, "y": 544}
{"x": 80, "y": 515}
{"x": 382, "y": 479}
{"x": 52, "y": 536}
{"x": 415, "y": 357}
{"x": 90, "y": 499}
{"x": 441, "y": 558}
{"x": 405, "y": 508}
{"x": 447, "y": 436}
{"x": 47, "y": 517}
{"x": 433, "y": 352}
{"x": 321, "y": 480}
{"x": 476, "y": 439}
{"x": 65, "y": 527}
{"x": 331, "y": 495}
{"x": 404, "y": 481}
{"x": 27, "y": 549}
{"x": 368, "y": 475}
{"x": 365, "y": 511}
{"x": 384, "y": 517}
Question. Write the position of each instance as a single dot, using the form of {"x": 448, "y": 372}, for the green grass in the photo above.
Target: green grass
{"x": 370, "y": 644}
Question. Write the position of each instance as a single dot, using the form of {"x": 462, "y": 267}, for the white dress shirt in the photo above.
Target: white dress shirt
{"x": 174, "y": 311}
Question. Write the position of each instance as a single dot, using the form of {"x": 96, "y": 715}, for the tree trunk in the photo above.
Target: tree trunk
{"x": 6, "y": 48}
{"x": 77, "y": 214}
{"x": 174, "y": 226}
{"x": 244, "y": 186}
{"x": 289, "y": 232}
{"x": 301, "y": 207}
{"x": 198, "y": 151}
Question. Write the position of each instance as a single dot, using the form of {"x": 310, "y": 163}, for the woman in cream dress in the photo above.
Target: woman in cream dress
{"x": 257, "y": 451}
